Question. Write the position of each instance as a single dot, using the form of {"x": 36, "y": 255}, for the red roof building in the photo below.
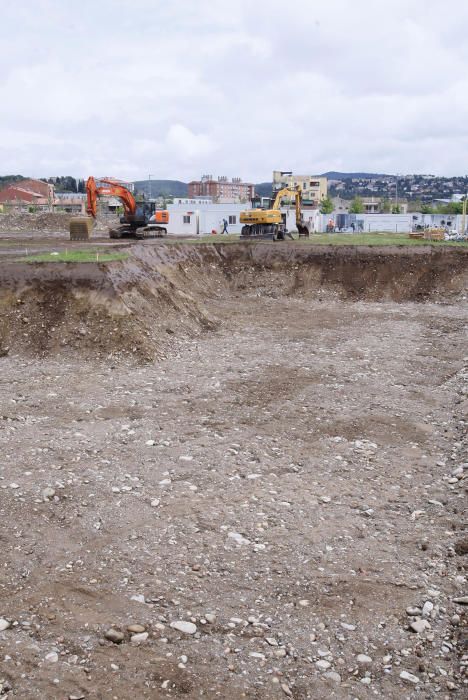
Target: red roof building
{"x": 28, "y": 192}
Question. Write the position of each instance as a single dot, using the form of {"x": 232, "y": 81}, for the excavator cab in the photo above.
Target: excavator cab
{"x": 143, "y": 212}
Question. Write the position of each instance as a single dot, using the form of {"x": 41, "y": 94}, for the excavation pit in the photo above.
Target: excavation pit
{"x": 257, "y": 439}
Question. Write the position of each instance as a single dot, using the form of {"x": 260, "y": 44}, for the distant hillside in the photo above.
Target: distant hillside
{"x": 168, "y": 188}
{"x": 335, "y": 175}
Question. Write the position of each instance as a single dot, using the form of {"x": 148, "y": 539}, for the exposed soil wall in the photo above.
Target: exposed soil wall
{"x": 396, "y": 273}
{"x": 141, "y": 305}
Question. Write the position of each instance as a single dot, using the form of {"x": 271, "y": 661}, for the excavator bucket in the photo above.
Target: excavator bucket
{"x": 303, "y": 230}
{"x": 81, "y": 228}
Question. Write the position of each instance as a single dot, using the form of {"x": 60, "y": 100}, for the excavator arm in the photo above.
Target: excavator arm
{"x": 297, "y": 194}
{"x": 109, "y": 189}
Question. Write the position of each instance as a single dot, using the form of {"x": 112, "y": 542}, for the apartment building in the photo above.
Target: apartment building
{"x": 314, "y": 188}
{"x": 232, "y": 190}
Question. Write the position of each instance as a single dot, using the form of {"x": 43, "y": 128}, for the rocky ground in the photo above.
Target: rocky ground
{"x": 29, "y": 224}
{"x": 274, "y": 510}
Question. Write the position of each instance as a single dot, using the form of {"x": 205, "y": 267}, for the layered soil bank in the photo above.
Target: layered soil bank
{"x": 141, "y": 305}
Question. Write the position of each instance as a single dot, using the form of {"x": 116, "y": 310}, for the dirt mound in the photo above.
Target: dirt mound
{"x": 47, "y": 222}
{"x": 143, "y": 305}
{"x": 97, "y": 310}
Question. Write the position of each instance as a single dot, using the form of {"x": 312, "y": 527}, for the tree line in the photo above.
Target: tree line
{"x": 66, "y": 183}
{"x": 388, "y": 207}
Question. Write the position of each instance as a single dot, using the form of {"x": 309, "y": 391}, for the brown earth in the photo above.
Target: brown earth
{"x": 28, "y": 225}
{"x": 297, "y": 419}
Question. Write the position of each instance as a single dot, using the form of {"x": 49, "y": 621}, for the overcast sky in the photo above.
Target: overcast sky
{"x": 177, "y": 88}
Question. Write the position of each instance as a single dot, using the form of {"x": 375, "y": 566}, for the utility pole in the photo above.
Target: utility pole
{"x": 464, "y": 215}
{"x": 149, "y": 186}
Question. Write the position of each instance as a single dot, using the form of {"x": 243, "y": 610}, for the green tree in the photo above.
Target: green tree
{"x": 396, "y": 209}
{"x": 454, "y": 208}
{"x": 326, "y": 206}
{"x": 357, "y": 206}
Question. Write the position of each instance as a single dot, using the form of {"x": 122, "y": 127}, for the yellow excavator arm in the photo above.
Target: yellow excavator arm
{"x": 287, "y": 192}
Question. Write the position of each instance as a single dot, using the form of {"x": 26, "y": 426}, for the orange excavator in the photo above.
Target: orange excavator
{"x": 140, "y": 219}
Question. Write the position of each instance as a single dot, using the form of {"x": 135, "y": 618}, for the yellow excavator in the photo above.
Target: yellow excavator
{"x": 269, "y": 223}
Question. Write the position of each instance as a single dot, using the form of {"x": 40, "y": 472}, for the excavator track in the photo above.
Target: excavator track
{"x": 264, "y": 232}
{"x": 151, "y": 232}
{"x": 141, "y": 233}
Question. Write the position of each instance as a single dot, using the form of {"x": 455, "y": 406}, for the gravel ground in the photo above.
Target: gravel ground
{"x": 274, "y": 511}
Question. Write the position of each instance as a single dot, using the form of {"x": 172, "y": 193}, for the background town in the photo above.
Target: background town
{"x": 331, "y": 201}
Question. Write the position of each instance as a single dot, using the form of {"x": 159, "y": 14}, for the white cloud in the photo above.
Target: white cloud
{"x": 181, "y": 88}
{"x": 185, "y": 143}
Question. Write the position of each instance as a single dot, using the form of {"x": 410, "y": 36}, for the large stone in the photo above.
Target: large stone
{"x": 409, "y": 677}
{"x": 114, "y": 635}
{"x": 363, "y": 660}
{"x": 419, "y": 626}
{"x": 185, "y": 627}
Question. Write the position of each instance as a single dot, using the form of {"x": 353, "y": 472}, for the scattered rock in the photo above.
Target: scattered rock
{"x": 185, "y": 627}
{"x": 139, "y": 637}
{"x": 419, "y": 625}
{"x": 350, "y": 628}
{"x": 4, "y": 624}
{"x": 257, "y": 655}
{"x": 114, "y": 635}
{"x": 414, "y": 612}
{"x": 238, "y": 538}
{"x": 461, "y": 546}
{"x": 48, "y": 493}
{"x": 138, "y": 597}
{"x": 211, "y": 618}
{"x": 322, "y": 664}
{"x": 333, "y": 676}
{"x": 286, "y": 689}
{"x": 52, "y": 657}
{"x": 136, "y": 629}
{"x": 428, "y": 607}
{"x": 409, "y": 677}
{"x": 363, "y": 660}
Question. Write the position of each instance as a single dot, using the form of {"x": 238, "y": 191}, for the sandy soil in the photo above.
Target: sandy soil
{"x": 288, "y": 479}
